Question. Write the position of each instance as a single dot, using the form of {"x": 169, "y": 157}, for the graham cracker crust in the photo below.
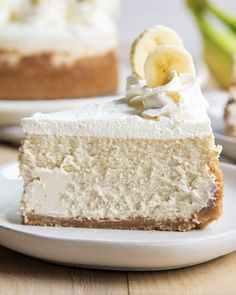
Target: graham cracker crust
{"x": 198, "y": 221}
{"x": 35, "y": 77}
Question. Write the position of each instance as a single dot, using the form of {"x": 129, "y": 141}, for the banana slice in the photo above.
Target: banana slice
{"x": 136, "y": 102}
{"x": 148, "y": 42}
{"x": 161, "y": 63}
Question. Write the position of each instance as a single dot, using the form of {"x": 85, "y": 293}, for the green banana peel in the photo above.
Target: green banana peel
{"x": 219, "y": 46}
{"x": 226, "y": 18}
{"x": 197, "y": 6}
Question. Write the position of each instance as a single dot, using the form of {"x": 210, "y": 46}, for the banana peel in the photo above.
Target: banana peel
{"x": 219, "y": 45}
{"x": 226, "y": 18}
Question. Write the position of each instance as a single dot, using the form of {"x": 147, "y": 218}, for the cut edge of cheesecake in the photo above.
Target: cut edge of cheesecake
{"x": 198, "y": 220}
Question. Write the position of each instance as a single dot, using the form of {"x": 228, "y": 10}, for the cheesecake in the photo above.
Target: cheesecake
{"x": 147, "y": 161}
{"x": 58, "y": 49}
{"x": 230, "y": 113}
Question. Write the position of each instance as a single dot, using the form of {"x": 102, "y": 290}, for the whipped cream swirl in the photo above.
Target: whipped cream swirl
{"x": 56, "y": 13}
{"x": 183, "y": 91}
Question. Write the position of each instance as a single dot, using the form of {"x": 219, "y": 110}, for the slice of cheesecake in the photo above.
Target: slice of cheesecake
{"x": 147, "y": 161}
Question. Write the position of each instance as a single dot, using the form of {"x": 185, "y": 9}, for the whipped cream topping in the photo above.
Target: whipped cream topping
{"x": 83, "y": 27}
{"x": 181, "y": 96}
{"x": 118, "y": 119}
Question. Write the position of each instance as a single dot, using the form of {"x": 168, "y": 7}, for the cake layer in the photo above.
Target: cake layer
{"x": 105, "y": 179}
{"x": 37, "y": 77}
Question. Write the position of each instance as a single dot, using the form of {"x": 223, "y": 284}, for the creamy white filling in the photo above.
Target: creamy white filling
{"x": 61, "y": 194}
{"x": 81, "y": 28}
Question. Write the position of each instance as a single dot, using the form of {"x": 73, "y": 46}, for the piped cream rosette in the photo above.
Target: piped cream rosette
{"x": 159, "y": 60}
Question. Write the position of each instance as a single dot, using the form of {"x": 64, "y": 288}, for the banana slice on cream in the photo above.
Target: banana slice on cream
{"x": 147, "y": 42}
{"x": 163, "y": 61}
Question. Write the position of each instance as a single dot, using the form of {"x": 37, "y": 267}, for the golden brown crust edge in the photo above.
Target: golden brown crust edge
{"x": 35, "y": 77}
{"x": 198, "y": 221}
{"x": 214, "y": 210}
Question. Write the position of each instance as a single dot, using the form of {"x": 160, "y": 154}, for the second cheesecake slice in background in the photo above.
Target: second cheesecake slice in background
{"x": 58, "y": 49}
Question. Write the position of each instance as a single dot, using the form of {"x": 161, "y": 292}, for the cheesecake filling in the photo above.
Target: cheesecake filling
{"x": 231, "y": 118}
{"x": 117, "y": 179}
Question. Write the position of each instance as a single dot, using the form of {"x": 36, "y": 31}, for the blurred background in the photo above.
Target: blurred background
{"x": 136, "y": 15}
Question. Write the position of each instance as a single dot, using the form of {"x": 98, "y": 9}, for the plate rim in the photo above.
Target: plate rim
{"x": 208, "y": 95}
{"x": 225, "y": 137}
{"x": 15, "y": 110}
{"x": 64, "y": 101}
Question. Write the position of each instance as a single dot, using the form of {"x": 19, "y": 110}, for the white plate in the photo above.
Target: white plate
{"x": 115, "y": 249}
{"x": 217, "y": 100}
{"x": 11, "y": 112}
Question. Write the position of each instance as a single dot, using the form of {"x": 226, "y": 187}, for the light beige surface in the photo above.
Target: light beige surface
{"x": 22, "y": 275}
